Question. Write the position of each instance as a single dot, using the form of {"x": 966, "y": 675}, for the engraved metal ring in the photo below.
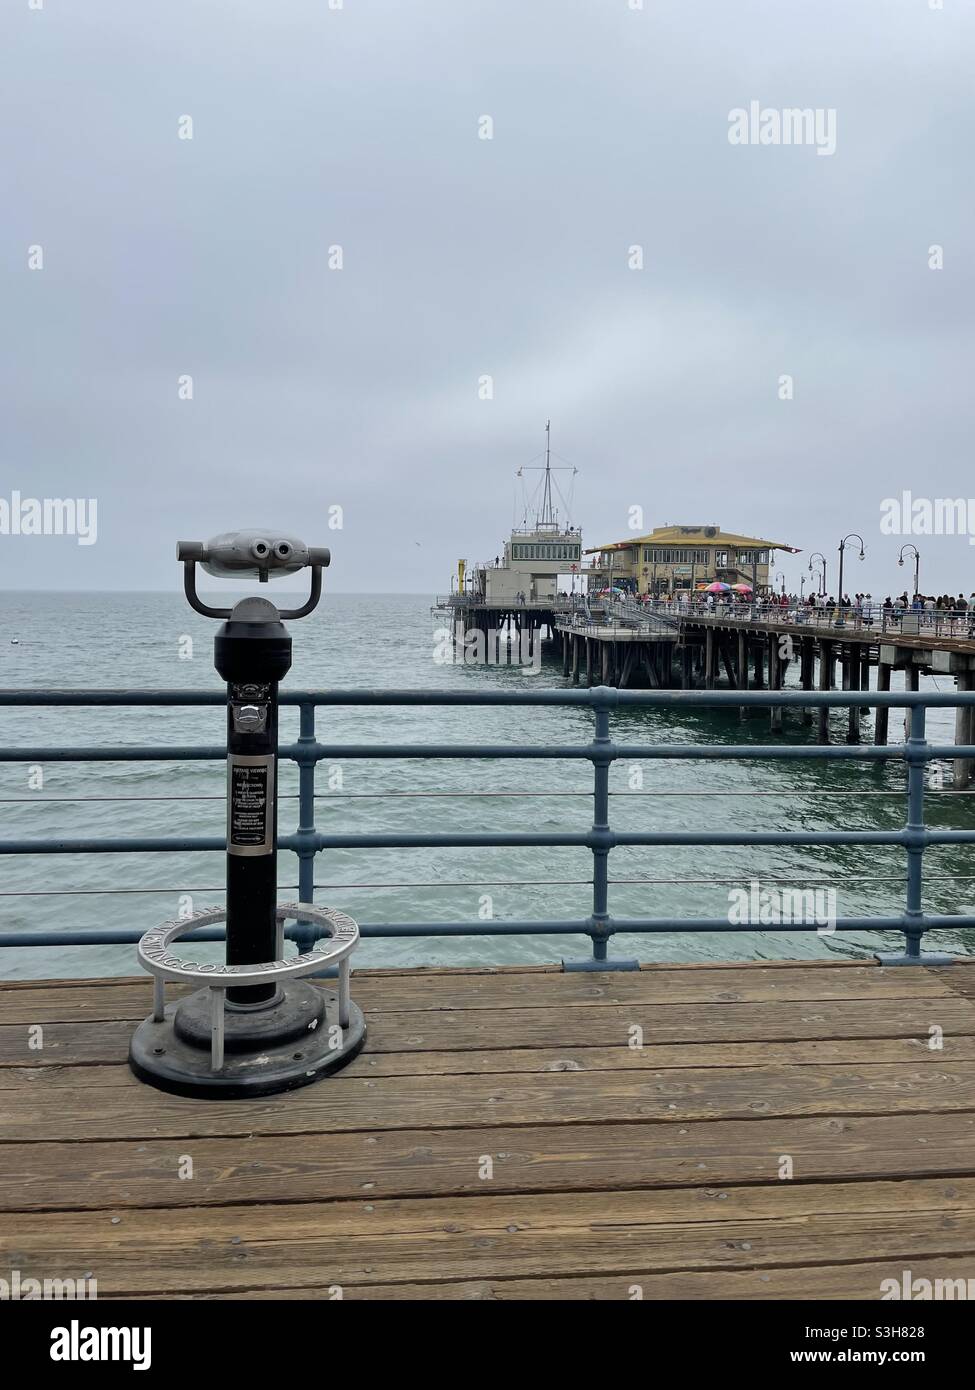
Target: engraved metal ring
{"x": 156, "y": 956}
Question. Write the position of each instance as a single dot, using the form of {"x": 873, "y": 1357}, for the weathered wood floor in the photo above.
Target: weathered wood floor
{"x": 610, "y": 1166}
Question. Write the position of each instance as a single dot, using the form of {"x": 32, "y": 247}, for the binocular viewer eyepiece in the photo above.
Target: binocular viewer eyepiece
{"x": 255, "y": 554}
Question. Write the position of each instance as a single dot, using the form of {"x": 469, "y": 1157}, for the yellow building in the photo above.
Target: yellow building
{"x": 671, "y": 558}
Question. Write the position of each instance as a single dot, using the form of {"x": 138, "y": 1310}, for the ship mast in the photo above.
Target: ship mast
{"x": 547, "y": 516}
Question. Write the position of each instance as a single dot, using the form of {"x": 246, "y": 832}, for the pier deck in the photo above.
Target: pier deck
{"x": 610, "y": 1167}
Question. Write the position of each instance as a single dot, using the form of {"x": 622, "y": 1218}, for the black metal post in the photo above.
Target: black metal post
{"x": 252, "y": 653}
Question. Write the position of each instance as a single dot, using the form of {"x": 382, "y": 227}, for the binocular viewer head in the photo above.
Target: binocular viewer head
{"x": 257, "y": 554}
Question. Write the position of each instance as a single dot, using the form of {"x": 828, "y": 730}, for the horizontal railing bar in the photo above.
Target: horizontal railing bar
{"x": 317, "y": 752}
{"x": 116, "y": 754}
{"x": 570, "y": 927}
{"x": 604, "y": 839}
{"x": 596, "y": 695}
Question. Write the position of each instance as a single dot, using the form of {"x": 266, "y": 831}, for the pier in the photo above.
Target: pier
{"x": 663, "y": 647}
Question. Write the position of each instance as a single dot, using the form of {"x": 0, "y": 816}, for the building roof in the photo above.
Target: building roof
{"x": 695, "y": 536}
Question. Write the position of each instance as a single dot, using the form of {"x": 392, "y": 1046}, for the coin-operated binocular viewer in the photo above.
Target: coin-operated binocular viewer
{"x": 255, "y": 1026}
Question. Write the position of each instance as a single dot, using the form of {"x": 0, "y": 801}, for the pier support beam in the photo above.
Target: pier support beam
{"x": 883, "y": 713}
{"x": 575, "y": 658}
{"x": 709, "y": 671}
{"x": 851, "y": 682}
{"x": 567, "y": 640}
{"x": 807, "y": 666}
{"x": 758, "y": 677}
{"x": 729, "y": 665}
{"x": 742, "y": 670}
{"x": 774, "y": 682}
{"x": 825, "y": 680}
{"x": 964, "y": 730}
{"x": 864, "y": 675}
{"x": 912, "y": 681}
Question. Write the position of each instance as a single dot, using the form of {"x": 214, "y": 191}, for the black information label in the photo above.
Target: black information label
{"x": 251, "y": 801}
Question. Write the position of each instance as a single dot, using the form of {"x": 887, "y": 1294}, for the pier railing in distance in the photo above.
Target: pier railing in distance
{"x": 306, "y": 841}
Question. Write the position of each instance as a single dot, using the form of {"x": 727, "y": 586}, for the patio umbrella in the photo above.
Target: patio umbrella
{"x": 717, "y": 588}
{"x": 742, "y": 588}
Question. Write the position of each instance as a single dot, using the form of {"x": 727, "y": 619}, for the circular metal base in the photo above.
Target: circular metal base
{"x": 297, "y": 1009}
{"x": 297, "y": 1041}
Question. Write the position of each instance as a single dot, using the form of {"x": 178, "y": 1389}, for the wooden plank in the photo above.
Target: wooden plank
{"x": 845, "y": 1281}
{"x": 553, "y": 990}
{"x": 960, "y": 978}
{"x": 442, "y": 1030}
{"x": 65, "y": 1043}
{"x": 103, "y": 1054}
{"x": 133, "y": 1111}
{"x": 496, "y": 1236}
{"x": 752, "y": 984}
{"x": 764, "y": 1025}
{"x": 119, "y": 1175}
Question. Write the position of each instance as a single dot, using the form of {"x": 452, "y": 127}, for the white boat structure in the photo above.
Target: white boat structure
{"x": 525, "y": 575}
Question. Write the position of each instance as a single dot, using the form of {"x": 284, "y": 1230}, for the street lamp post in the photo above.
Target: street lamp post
{"x": 822, "y": 573}
{"x": 853, "y": 536}
{"x": 781, "y": 576}
{"x": 917, "y": 566}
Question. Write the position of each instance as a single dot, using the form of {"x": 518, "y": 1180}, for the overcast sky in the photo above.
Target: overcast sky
{"x": 466, "y": 257}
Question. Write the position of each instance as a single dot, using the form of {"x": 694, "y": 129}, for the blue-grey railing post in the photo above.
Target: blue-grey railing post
{"x": 307, "y": 763}
{"x": 600, "y": 828}
{"x": 914, "y": 753}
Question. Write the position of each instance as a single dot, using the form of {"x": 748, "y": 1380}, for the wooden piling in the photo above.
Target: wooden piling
{"x": 807, "y": 666}
{"x": 882, "y": 719}
{"x": 825, "y": 681}
{"x": 912, "y": 681}
{"x": 774, "y": 682}
{"x": 964, "y": 729}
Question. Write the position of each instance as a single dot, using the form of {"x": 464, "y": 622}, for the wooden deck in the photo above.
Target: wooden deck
{"x": 610, "y": 1166}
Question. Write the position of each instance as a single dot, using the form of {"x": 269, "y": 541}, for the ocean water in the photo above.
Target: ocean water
{"x": 140, "y": 640}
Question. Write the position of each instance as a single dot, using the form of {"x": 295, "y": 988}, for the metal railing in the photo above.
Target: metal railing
{"x": 307, "y": 842}
{"x": 952, "y": 624}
